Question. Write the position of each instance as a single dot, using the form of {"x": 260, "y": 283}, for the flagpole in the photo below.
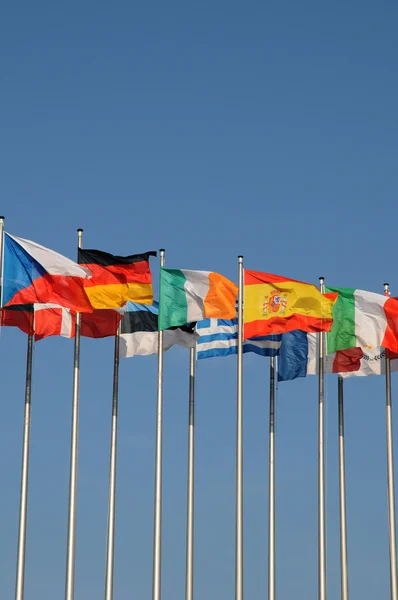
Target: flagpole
{"x": 321, "y": 466}
{"x": 390, "y": 476}
{"x": 1, "y": 258}
{"x": 271, "y": 504}
{"x": 239, "y": 446}
{"x": 190, "y": 495}
{"x": 157, "y": 523}
{"x": 70, "y": 557}
{"x": 20, "y": 576}
{"x": 343, "y": 521}
{"x": 110, "y": 546}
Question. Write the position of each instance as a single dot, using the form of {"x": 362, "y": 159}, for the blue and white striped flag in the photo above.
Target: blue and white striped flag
{"x": 220, "y": 338}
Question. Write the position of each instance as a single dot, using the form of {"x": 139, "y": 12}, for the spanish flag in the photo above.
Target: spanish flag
{"x": 117, "y": 280}
{"x": 274, "y": 304}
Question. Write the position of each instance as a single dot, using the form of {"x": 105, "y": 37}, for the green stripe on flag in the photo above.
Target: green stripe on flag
{"x": 342, "y": 334}
{"x": 173, "y": 307}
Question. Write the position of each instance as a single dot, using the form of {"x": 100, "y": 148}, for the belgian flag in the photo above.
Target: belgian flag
{"x": 117, "y": 280}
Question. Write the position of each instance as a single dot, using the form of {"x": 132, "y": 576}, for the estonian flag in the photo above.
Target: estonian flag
{"x": 139, "y": 333}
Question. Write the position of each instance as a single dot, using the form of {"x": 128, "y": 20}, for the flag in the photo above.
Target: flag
{"x": 139, "y": 332}
{"x": 372, "y": 362}
{"x": 275, "y": 304}
{"x": 44, "y": 320}
{"x": 187, "y": 296}
{"x": 117, "y": 279}
{"x": 40, "y": 320}
{"x": 34, "y": 274}
{"x": 19, "y": 315}
{"x": 362, "y": 319}
{"x": 298, "y": 357}
{"x": 101, "y": 323}
{"x": 219, "y": 337}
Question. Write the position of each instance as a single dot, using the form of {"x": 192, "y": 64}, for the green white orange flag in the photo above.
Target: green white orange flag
{"x": 362, "y": 319}
{"x": 187, "y": 296}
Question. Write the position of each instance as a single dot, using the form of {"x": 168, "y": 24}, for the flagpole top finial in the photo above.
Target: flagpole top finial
{"x": 386, "y": 285}
{"x": 79, "y": 230}
{"x": 162, "y": 250}
{"x": 240, "y": 258}
{"x": 2, "y": 217}
{"x": 321, "y": 279}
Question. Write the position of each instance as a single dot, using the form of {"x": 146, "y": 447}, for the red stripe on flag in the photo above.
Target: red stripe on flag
{"x": 390, "y": 340}
{"x": 284, "y": 324}
{"x": 138, "y": 272}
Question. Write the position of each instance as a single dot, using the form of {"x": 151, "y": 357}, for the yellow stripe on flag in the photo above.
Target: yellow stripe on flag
{"x": 284, "y": 299}
{"x": 116, "y": 295}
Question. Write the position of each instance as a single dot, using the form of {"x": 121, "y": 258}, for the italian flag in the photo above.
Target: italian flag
{"x": 187, "y": 296}
{"x": 362, "y": 319}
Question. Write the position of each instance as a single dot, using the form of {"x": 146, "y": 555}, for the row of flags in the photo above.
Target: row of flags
{"x": 43, "y": 291}
{"x": 297, "y": 351}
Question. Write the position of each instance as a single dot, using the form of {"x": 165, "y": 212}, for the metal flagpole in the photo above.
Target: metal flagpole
{"x": 70, "y": 557}
{"x": 190, "y": 498}
{"x": 20, "y": 577}
{"x": 271, "y": 516}
{"x": 157, "y": 522}
{"x": 239, "y": 446}
{"x": 343, "y": 522}
{"x": 321, "y": 467}
{"x": 1, "y": 258}
{"x": 390, "y": 476}
{"x": 112, "y": 475}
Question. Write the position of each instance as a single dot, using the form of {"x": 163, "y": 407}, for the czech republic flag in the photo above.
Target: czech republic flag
{"x": 34, "y": 274}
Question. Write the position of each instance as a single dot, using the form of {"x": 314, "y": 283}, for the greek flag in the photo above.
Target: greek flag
{"x": 220, "y": 338}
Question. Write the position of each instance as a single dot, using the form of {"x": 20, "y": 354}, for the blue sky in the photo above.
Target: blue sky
{"x": 264, "y": 129}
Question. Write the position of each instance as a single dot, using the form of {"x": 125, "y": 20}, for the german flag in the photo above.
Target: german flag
{"x": 117, "y": 280}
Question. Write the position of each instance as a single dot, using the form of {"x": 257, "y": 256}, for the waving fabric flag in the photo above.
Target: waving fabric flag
{"x": 35, "y": 274}
{"x": 275, "y": 304}
{"x": 218, "y": 337}
{"x": 44, "y": 320}
{"x": 363, "y": 319}
{"x": 187, "y": 296}
{"x": 139, "y": 332}
{"x": 117, "y": 279}
{"x": 40, "y": 320}
{"x": 298, "y": 357}
{"x": 373, "y": 362}
{"x": 101, "y": 323}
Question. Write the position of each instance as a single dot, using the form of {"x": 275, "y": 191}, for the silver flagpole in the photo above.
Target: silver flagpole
{"x": 321, "y": 467}
{"x": 239, "y": 446}
{"x": 343, "y": 522}
{"x": 20, "y": 578}
{"x": 390, "y": 476}
{"x": 271, "y": 516}
{"x": 110, "y": 547}
{"x": 70, "y": 557}
{"x": 190, "y": 498}
{"x": 157, "y": 522}
{"x": 1, "y": 258}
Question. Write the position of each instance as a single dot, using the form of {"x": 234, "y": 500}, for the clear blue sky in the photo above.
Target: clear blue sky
{"x": 267, "y": 129}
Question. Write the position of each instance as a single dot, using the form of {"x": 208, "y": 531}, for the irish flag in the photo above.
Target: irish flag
{"x": 187, "y": 296}
{"x": 362, "y": 319}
